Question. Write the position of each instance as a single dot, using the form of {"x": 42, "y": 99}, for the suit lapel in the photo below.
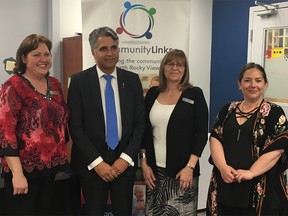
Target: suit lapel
{"x": 95, "y": 91}
{"x": 122, "y": 96}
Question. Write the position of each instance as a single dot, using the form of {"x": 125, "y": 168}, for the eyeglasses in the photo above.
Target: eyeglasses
{"x": 178, "y": 66}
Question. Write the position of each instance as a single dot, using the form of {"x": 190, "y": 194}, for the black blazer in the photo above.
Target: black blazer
{"x": 87, "y": 124}
{"x": 187, "y": 130}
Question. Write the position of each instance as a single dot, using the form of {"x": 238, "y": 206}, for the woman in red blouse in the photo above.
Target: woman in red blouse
{"x": 33, "y": 119}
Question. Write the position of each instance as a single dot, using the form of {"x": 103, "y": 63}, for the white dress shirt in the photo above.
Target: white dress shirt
{"x": 114, "y": 84}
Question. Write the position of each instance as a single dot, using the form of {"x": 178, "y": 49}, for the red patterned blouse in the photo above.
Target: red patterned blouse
{"x": 33, "y": 126}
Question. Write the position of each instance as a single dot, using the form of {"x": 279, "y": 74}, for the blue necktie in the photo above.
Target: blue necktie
{"x": 111, "y": 118}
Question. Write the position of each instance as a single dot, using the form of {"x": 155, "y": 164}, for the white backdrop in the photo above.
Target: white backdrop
{"x": 147, "y": 31}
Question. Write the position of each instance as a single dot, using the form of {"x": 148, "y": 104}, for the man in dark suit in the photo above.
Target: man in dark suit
{"x": 102, "y": 168}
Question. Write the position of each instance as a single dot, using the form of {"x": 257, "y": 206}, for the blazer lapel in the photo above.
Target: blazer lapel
{"x": 122, "y": 97}
{"x": 95, "y": 90}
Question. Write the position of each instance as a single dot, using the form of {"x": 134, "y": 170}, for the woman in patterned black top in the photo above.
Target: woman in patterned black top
{"x": 33, "y": 119}
{"x": 249, "y": 145}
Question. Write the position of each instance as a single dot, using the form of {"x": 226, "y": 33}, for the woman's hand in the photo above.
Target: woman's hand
{"x": 228, "y": 174}
{"x": 243, "y": 175}
{"x": 185, "y": 177}
{"x": 148, "y": 175}
{"x": 19, "y": 181}
{"x": 20, "y": 184}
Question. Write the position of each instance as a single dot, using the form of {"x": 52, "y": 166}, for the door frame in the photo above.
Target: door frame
{"x": 259, "y": 9}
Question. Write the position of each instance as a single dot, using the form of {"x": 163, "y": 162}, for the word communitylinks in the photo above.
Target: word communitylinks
{"x": 145, "y": 50}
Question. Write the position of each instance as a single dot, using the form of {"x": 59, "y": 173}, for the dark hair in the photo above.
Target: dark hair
{"x": 249, "y": 66}
{"x": 30, "y": 43}
{"x": 100, "y": 32}
{"x": 180, "y": 57}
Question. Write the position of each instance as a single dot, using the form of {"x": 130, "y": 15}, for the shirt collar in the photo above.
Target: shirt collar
{"x": 101, "y": 73}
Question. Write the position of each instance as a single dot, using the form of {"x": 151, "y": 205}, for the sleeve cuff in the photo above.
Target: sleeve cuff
{"x": 94, "y": 163}
{"x": 127, "y": 158}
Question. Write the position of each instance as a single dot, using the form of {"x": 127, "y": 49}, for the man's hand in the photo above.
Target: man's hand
{"x": 105, "y": 171}
{"x": 120, "y": 165}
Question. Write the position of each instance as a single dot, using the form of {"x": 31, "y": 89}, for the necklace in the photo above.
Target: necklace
{"x": 241, "y": 114}
{"x": 48, "y": 93}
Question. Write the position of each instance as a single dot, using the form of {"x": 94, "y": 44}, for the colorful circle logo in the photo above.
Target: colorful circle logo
{"x": 129, "y": 7}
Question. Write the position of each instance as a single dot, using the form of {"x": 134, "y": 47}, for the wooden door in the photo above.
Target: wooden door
{"x": 72, "y": 59}
{"x": 72, "y": 63}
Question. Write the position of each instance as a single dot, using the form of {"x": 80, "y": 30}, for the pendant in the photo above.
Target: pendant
{"x": 238, "y": 134}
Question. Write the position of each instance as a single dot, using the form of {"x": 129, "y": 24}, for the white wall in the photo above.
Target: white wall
{"x": 204, "y": 179}
{"x": 199, "y": 65}
{"x": 65, "y": 21}
{"x": 200, "y": 44}
{"x": 54, "y": 19}
{"x": 18, "y": 19}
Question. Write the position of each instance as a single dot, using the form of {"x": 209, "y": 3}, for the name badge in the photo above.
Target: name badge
{"x": 187, "y": 100}
{"x": 54, "y": 93}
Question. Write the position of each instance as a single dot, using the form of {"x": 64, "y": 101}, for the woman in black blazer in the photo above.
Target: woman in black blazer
{"x": 175, "y": 135}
